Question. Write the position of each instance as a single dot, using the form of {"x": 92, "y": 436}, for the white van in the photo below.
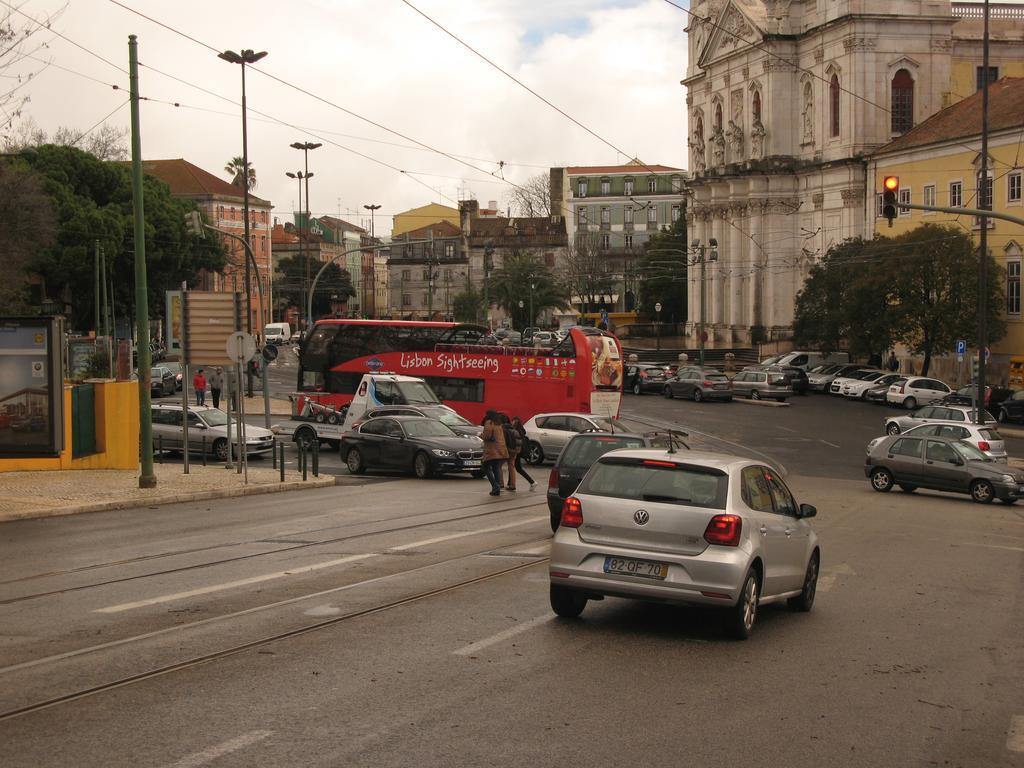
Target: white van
{"x": 807, "y": 360}
{"x": 277, "y": 333}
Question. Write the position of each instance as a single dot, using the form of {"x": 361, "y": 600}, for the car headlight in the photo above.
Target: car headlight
{"x": 441, "y": 452}
{"x": 1009, "y": 479}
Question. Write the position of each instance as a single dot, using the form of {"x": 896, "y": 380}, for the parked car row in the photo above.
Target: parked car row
{"x": 698, "y": 383}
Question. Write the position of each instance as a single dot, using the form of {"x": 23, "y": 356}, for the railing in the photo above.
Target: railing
{"x": 977, "y": 11}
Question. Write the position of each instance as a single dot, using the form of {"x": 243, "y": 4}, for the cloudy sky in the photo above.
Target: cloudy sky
{"x": 613, "y": 65}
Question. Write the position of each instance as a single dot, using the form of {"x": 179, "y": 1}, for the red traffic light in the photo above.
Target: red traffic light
{"x": 891, "y": 183}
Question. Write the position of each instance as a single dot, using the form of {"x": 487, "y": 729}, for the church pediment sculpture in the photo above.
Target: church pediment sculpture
{"x": 733, "y": 31}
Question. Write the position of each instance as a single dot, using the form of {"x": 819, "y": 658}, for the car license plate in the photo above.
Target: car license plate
{"x": 628, "y": 566}
{"x": 471, "y": 462}
{"x": 721, "y": 386}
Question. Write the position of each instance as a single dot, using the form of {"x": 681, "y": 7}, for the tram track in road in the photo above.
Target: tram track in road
{"x": 223, "y": 653}
{"x": 278, "y": 550}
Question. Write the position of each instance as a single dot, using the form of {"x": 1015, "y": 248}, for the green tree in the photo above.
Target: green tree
{"x": 27, "y": 227}
{"x": 92, "y": 200}
{"x": 663, "y": 272}
{"x": 334, "y": 285}
{"x": 468, "y": 306}
{"x": 586, "y": 274}
{"x": 934, "y": 271}
{"x": 234, "y": 168}
{"x": 510, "y": 284}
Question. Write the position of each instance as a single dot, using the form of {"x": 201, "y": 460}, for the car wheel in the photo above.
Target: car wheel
{"x": 220, "y": 449}
{"x": 319, "y": 418}
{"x": 697, "y": 395}
{"x": 421, "y": 466}
{"x": 534, "y": 454}
{"x": 744, "y": 613}
{"x": 910, "y": 403}
{"x": 566, "y": 603}
{"x": 907, "y": 488}
{"x": 667, "y": 392}
{"x": 332, "y": 419}
{"x": 636, "y": 388}
{"x": 982, "y": 491}
{"x": 805, "y": 600}
{"x": 892, "y": 428}
{"x": 881, "y": 480}
{"x": 755, "y": 395}
{"x": 304, "y": 438}
{"x": 354, "y": 461}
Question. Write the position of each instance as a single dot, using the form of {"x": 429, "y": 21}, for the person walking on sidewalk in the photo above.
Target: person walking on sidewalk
{"x": 199, "y": 385}
{"x": 216, "y": 385}
{"x": 495, "y": 452}
{"x": 513, "y": 445}
{"x": 517, "y": 463}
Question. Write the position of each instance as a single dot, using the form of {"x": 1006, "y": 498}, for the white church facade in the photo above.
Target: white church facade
{"x": 785, "y": 99}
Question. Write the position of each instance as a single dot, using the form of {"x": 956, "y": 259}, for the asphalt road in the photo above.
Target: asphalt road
{"x": 393, "y": 622}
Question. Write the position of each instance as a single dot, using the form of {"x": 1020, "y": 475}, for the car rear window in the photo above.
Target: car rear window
{"x": 582, "y": 452}
{"x": 657, "y": 481}
{"x": 990, "y": 434}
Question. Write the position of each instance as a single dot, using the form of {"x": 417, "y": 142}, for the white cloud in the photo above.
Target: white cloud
{"x": 614, "y": 65}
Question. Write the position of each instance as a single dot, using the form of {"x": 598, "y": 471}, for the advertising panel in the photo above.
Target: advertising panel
{"x": 31, "y": 387}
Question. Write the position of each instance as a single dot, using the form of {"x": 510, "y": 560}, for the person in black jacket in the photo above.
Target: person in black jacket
{"x": 517, "y": 426}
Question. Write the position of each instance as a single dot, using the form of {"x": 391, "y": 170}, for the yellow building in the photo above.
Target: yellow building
{"x": 416, "y": 218}
{"x": 938, "y": 163}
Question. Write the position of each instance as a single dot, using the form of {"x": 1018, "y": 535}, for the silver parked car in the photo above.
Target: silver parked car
{"x": 941, "y": 464}
{"x": 985, "y": 438}
{"x": 693, "y": 528}
{"x": 207, "y": 427}
{"x": 915, "y": 391}
{"x": 930, "y": 413}
{"x": 758, "y": 384}
{"x": 547, "y": 433}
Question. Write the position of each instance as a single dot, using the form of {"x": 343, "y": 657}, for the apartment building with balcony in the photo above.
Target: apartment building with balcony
{"x": 614, "y": 209}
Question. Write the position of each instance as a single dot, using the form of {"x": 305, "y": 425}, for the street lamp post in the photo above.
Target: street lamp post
{"x": 247, "y": 56}
{"x": 703, "y": 255}
{"x": 371, "y": 208}
{"x": 305, "y": 146}
{"x": 303, "y": 259}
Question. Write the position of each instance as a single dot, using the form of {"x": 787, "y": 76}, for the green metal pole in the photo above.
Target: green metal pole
{"x": 96, "y": 281}
{"x": 146, "y": 477}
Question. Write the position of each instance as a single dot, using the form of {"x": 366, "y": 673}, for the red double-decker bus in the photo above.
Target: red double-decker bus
{"x": 582, "y": 374}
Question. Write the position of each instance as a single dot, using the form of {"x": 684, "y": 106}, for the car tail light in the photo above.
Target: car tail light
{"x": 723, "y": 529}
{"x": 572, "y": 513}
{"x": 707, "y": 383}
{"x": 553, "y": 478}
{"x": 983, "y": 445}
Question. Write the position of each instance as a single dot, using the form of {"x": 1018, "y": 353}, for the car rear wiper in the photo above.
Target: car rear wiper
{"x": 660, "y": 497}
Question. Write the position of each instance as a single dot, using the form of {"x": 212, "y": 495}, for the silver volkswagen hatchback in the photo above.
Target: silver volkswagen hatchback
{"x": 693, "y": 528}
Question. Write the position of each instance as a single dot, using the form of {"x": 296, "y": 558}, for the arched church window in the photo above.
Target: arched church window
{"x": 755, "y": 106}
{"x": 718, "y": 117}
{"x": 902, "y": 101}
{"x": 833, "y": 94}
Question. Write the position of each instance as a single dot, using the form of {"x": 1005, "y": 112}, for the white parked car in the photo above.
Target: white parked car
{"x": 856, "y": 387}
{"x": 836, "y": 387}
{"x": 917, "y": 390}
{"x": 985, "y": 438}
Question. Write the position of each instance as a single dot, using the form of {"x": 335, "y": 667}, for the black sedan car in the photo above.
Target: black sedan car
{"x": 416, "y": 444}
{"x": 644, "y": 377}
{"x": 1012, "y": 408}
{"x": 877, "y": 393}
{"x": 699, "y": 384}
{"x": 577, "y": 457}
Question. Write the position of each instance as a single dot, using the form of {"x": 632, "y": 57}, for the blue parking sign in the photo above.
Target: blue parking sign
{"x": 961, "y": 346}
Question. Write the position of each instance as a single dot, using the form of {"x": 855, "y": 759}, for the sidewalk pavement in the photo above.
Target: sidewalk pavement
{"x": 25, "y": 495}
{"x": 254, "y": 406}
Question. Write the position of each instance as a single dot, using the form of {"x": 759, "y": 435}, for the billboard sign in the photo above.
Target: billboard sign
{"x": 175, "y": 316}
{"x": 31, "y": 387}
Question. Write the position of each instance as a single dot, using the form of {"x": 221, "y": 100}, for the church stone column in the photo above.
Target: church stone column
{"x": 738, "y": 266}
{"x": 755, "y": 286}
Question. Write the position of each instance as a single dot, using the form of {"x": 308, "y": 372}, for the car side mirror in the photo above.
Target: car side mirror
{"x": 807, "y": 510}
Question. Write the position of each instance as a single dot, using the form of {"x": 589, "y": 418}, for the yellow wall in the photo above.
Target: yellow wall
{"x": 421, "y": 217}
{"x": 941, "y": 165}
{"x": 963, "y": 76}
{"x": 117, "y": 433}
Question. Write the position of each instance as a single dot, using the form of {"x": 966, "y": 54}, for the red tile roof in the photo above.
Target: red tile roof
{"x": 634, "y": 167}
{"x": 439, "y": 228}
{"x": 341, "y": 225}
{"x": 188, "y": 180}
{"x": 963, "y": 119}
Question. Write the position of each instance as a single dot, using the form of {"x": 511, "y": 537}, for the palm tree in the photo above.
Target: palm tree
{"x": 234, "y": 168}
{"x": 510, "y": 284}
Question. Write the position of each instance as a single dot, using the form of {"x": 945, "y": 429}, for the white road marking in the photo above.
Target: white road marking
{"x": 306, "y": 569}
{"x": 219, "y": 750}
{"x": 826, "y": 442}
{"x": 992, "y": 546}
{"x": 517, "y": 629}
{"x": 1015, "y": 736}
{"x": 787, "y": 429}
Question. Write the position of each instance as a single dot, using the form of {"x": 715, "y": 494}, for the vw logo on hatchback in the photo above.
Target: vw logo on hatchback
{"x": 640, "y": 517}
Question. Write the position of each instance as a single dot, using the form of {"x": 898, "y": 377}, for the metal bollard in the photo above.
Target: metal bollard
{"x": 204, "y": 450}
{"x": 160, "y": 447}
{"x": 305, "y": 463}
{"x": 280, "y": 463}
{"x": 316, "y": 459}
{"x": 273, "y": 452}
